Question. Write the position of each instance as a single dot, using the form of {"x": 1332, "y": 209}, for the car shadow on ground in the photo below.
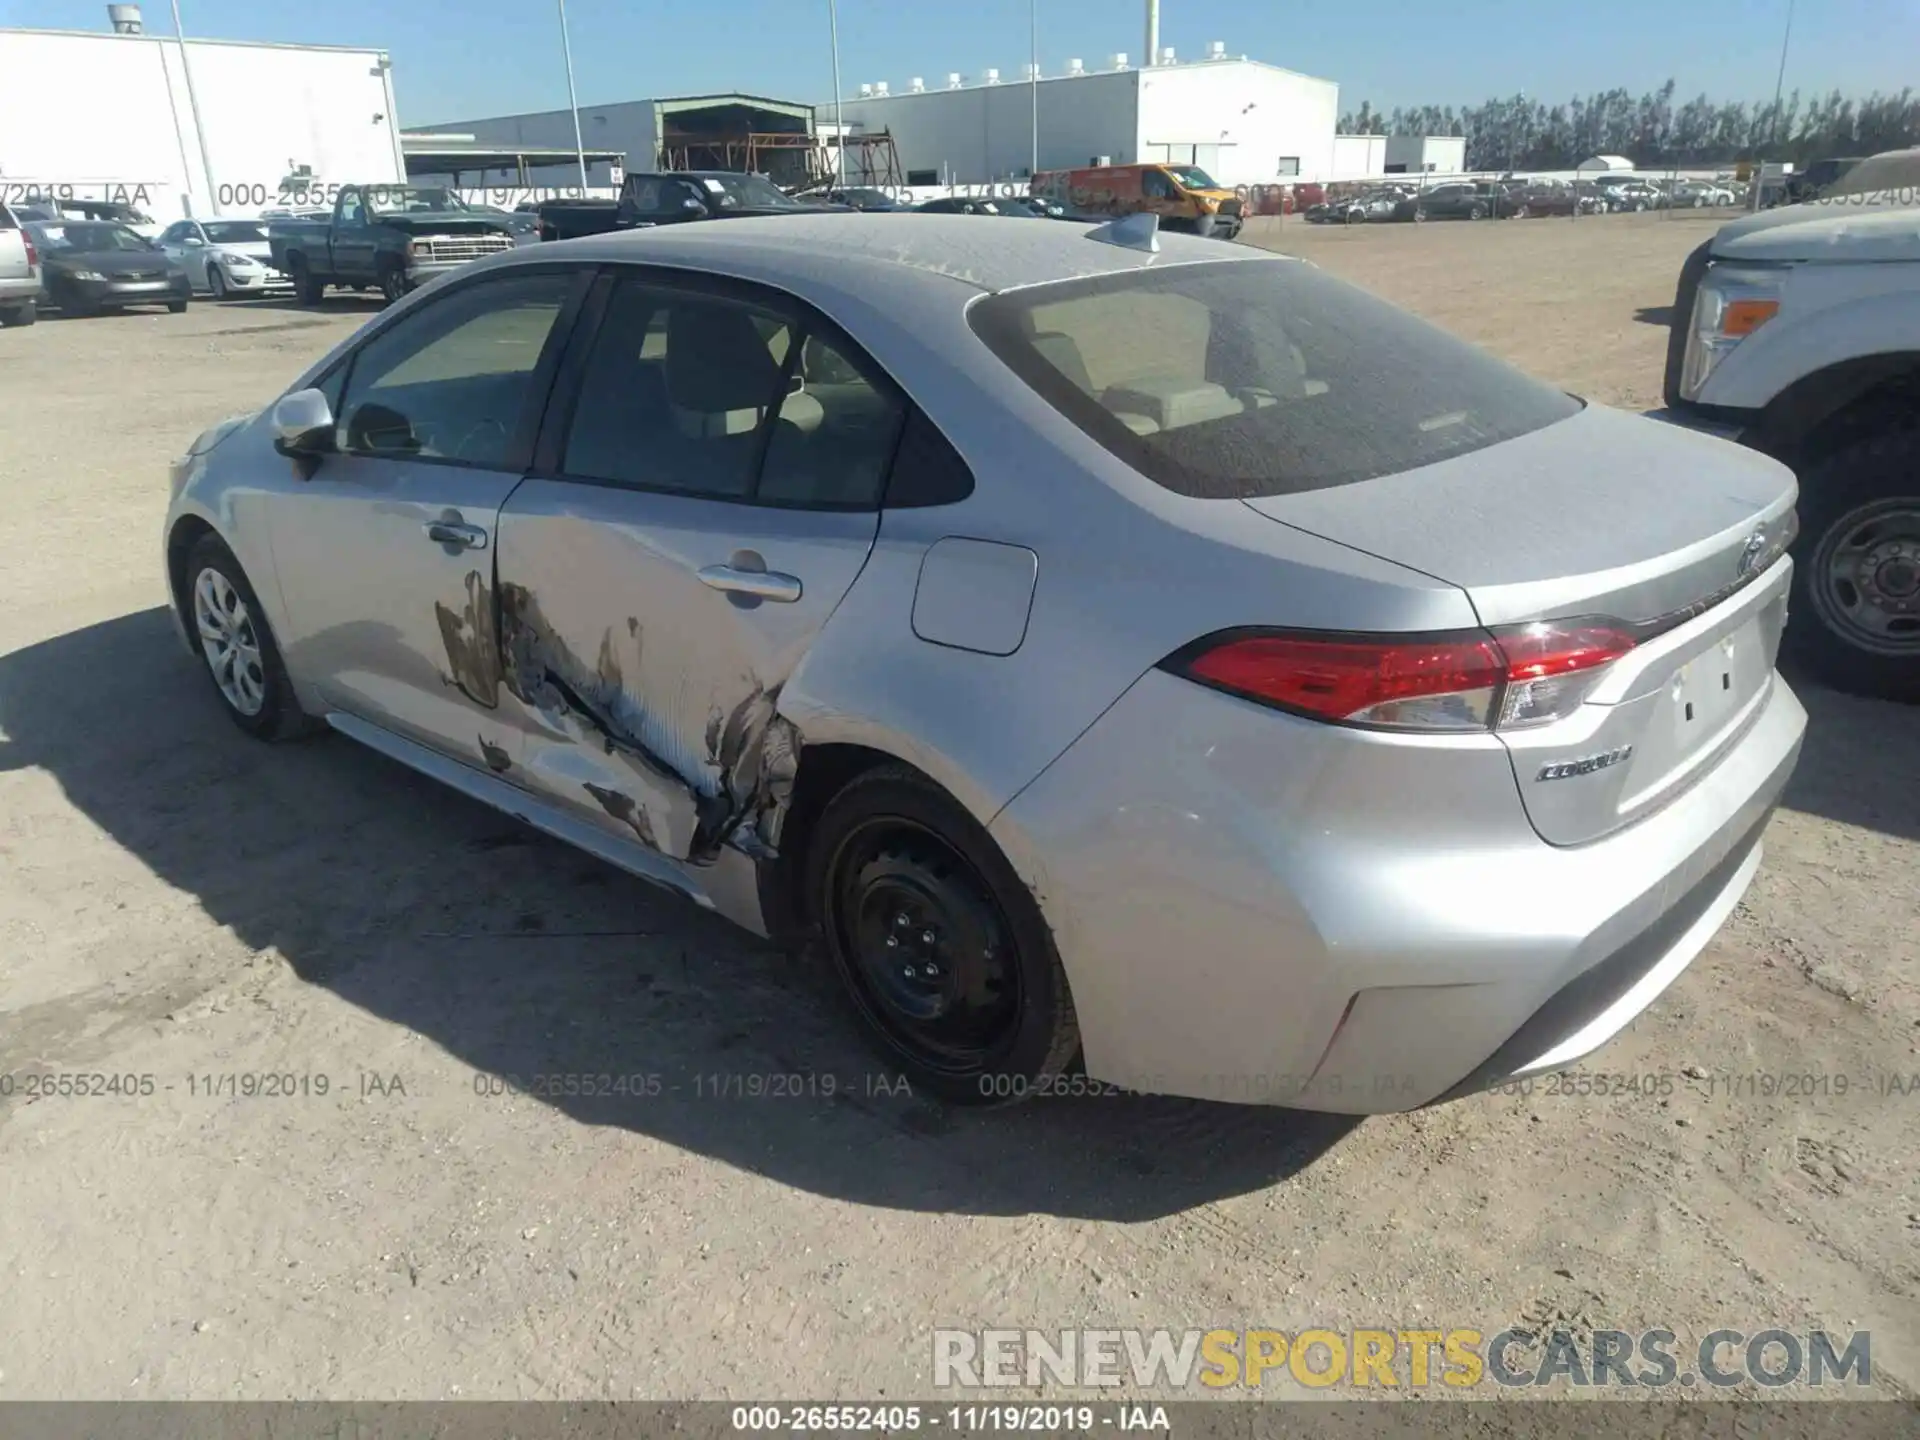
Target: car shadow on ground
{"x": 1860, "y": 765}
{"x": 1661, "y": 315}
{"x": 522, "y": 957}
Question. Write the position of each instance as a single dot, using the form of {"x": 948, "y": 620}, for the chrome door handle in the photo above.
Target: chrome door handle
{"x": 761, "y": 584}
{"x": 455, "y": 532}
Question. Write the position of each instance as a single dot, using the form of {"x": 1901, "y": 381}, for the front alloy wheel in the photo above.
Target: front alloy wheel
{"x": 229, "y": 642}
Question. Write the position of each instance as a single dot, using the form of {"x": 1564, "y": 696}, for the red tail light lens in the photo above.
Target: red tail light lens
{"x": 1459, "y": 681}
{"x": 33, "y": 255}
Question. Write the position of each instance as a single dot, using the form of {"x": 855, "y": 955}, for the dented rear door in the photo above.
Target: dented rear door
{"x": 707, "y": 492}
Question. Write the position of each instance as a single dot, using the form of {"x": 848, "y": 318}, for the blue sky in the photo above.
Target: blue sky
{"x": 491, "y": 57}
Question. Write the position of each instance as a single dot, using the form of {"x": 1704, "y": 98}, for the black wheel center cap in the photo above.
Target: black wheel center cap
{"x": 1897, "y": 579}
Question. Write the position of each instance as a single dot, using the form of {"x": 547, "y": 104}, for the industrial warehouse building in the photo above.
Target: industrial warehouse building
{"x": 210, "y": 127}
{"x": 689, "y": 132}
{"x": 1242, "y": 121}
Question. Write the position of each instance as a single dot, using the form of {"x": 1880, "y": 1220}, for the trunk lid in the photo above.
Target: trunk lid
{"x": 1679, "y": 536}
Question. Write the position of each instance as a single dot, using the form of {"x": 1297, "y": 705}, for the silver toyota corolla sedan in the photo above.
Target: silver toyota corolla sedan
{"x": 1129, "y": 658}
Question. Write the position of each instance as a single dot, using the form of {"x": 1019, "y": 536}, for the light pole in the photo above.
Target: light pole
{"x": 1780, "y": 77}
{"x": 193, "y": 107}
{"x": 839, "y": 125}
{"x": 1033, "y": 76}
{"x": 573, "y": 101}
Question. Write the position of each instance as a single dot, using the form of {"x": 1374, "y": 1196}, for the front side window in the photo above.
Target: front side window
{"x": 351, "y": 211}
{"x": 1156, "y": 186}
{"x": 453, "y": 380}
{"x": 1193, "y": 177}
{"x": 705, "y": 395}
{"x": 1249, "y": 378}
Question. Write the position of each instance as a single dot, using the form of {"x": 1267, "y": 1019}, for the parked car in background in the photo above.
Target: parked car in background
{"x": 224, "y": 257}
{"x": 1698, "y": 194}
{"x": 672, "y": 197}
{"x": 1368, "y": 206}
{"x": 394, "y": 238}
{"x": 1185, "y": 197}
{"x": 861, "y": 197}
{"x": 1797, "y": 331}
{"x": 1819, "y": 178}
{"x": 1629, "y": 193}
{"x": 89, "y": 266}
{"x": 968, "y": 205}
{"x": 19, "y": 272}
{"x": 1466, "y": 200}
{"x": 524, "y": 226}
{"x": 113, "y": 212}
{"x": 729, "y": 560}
{"x": 1542, "y": 200}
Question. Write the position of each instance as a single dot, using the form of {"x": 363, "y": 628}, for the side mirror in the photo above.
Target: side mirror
{"x": 303, "y": 425}
{"x": 691, "y": 204}
{"x": 192, "y": 241}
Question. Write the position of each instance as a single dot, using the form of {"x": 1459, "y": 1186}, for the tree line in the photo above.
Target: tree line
{"x": 1653, "y": 131}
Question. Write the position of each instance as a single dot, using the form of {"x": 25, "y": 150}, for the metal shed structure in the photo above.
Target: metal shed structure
{"x": 698, "y": 132}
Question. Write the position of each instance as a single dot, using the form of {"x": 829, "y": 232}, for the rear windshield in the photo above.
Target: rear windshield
{"x": 1245, "y": 378}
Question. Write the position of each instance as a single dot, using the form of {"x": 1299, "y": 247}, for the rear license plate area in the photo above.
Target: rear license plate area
{"x": 1707, "y": 691}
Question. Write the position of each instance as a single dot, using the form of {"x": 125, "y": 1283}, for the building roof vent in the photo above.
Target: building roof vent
{"x": 992, "y": 77}
{"x": 1029, "y": 72}
{"x": 1075, "y": 67}
{"x": 125, "y": 20}
{"x": 955, "y": 80}
{"x": 1216, "y": 50}
{"x": 916, "y": 85}
{"x": 1166, "y": 56}
{"x": 866, "y": 92}
{"x": 879, "y": 88}
{"x": 1117, "y": 61}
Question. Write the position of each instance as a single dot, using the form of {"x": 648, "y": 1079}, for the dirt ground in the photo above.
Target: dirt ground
{"x": 178, "y": 904}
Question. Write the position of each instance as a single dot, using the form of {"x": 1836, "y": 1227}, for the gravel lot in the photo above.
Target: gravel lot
{"x": 180, "y": 903}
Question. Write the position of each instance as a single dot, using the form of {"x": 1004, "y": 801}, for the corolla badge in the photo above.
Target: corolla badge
{"x": 1566, "y": 769}
{"x": 1756, "y": 546}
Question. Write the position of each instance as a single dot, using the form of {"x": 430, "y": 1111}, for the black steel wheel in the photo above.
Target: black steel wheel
{"x": 393, "y": 281}
{"x": 941, "y": 949}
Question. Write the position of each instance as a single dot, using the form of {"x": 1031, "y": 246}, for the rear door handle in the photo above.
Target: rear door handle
{"x": 761, "y": 584}
{"x": 456, "y": 532}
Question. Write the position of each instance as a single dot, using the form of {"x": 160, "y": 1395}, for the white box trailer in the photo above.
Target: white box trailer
{"x": 89, "y": 115}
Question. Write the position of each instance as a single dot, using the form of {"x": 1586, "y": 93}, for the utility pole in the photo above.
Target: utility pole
{"x": 839, "y": 125}
{"x": 1033, "y": 45}
{"x": 193, "y": 107}
{"x": 1780, "y": 78}
{"x": 573, "y": 102}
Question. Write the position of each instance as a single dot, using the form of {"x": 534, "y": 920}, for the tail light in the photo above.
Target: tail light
{"x": 33, "y": 255}
{"x": 1465, "y": 680}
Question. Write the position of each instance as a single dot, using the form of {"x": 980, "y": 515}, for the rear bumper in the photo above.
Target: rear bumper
{"x": 1257, "y": 908}
{"x": 12, "y": 292}
{"x": 122, "y": 292}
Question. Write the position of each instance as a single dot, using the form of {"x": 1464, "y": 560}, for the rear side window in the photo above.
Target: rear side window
{"x": 708, "y": 395}
{"x": 1246, "y": 378}
{"x": 6, "y": 219}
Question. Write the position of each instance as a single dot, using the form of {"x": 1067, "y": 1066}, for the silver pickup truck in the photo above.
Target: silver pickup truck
{"x": 19, "y": 273}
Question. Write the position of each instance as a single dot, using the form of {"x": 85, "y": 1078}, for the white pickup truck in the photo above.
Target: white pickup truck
{"x": 1796, "y": 331}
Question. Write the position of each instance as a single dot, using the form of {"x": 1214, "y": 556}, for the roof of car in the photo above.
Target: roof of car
{"x": 985, "y": 253}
